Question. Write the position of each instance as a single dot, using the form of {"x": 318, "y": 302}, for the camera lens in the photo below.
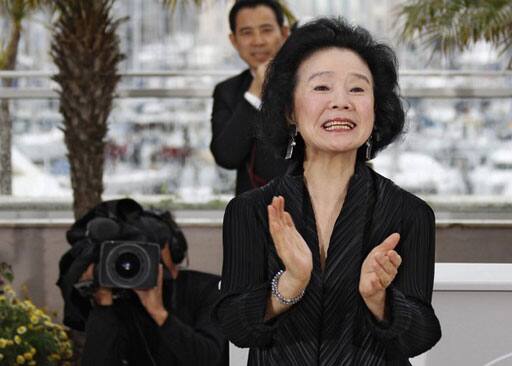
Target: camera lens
{"x": 127, "y": 265}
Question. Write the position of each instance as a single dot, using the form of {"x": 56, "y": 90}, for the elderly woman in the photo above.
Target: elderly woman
{"x": 331, "y": 264}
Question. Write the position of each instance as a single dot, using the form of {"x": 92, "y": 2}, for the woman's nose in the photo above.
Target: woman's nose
{"x": 341, "y": 100}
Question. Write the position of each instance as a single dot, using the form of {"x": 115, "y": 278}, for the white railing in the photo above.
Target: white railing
{"x": 408, "y": 91}
{"x": 439, "y": 88}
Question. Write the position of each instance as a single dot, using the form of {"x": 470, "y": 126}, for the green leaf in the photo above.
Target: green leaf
{"x": 449, "y": 25}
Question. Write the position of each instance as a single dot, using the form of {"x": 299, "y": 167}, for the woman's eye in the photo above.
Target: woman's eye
{"x": 321, "y": 88}
{"x": 357, "y": 89}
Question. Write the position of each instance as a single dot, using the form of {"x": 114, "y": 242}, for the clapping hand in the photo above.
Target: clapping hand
{"x": 290, "y": 246}
{"x": 378, "y": 271}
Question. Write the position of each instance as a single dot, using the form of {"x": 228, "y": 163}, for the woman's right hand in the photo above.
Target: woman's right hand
{"x": 290, "y": 245}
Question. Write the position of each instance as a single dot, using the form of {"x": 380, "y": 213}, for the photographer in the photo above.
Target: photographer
{"x": 168, "y": 324}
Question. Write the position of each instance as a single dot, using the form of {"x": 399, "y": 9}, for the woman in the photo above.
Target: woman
{"x": 331, "y": 264}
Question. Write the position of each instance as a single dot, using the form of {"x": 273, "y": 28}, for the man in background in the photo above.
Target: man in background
{"x": 257, "y": 33}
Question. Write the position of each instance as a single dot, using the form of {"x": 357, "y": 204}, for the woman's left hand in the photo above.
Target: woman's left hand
{"x": 152, "y": 300}
{"x": 377, "y": 273}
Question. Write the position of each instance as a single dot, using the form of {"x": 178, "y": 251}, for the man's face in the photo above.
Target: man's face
{"x": 257, "y": 36}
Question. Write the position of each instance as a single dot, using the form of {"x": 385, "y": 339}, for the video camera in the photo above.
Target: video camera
{"x": 125, "y": 257}
{"x": 125, "y": 242}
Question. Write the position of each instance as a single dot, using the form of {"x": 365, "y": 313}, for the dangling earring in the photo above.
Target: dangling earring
{"x": 291, "y": 143}
{"x": 368, "y": 154}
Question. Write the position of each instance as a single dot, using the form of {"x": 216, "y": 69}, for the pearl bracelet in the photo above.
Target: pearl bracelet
{"x": 283, "y": 300}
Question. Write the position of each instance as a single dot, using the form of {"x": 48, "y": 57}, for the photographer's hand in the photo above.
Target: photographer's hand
{"x": 102, "y": 296}
{"x": 151, "y": 299}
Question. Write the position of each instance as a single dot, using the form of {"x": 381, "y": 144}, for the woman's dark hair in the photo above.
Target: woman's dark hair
{"x": 281, "y": 80}
{"x": 242, "y": 4}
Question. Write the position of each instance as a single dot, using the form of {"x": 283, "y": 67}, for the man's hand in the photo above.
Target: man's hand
{"x": 258, "y": 79}
{"x": 102, "y": 296}
{"x": 377, "y": 273}
{"x": 152, "y": 300}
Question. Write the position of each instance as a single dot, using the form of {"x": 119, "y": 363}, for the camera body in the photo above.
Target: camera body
{"x": 128, "y": 264}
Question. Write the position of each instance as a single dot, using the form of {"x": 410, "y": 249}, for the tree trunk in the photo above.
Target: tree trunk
{"x": 5, "y": 149}
{"x": 86, "y": 163}
{"x": 11, "y": 53}
{"x": 85, "y": 48}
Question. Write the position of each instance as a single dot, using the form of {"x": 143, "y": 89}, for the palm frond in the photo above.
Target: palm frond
{"x": 288, "y": 12}
{"x": 172, "y": 4}
{"x": 450, "y": 25}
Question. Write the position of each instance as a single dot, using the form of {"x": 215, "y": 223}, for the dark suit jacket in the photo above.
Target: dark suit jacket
{"x": 234, "y": 135}
{"x": 331, "y": 325}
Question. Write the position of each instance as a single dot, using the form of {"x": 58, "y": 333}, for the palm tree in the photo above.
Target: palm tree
{"x": 454, "y": 25}
{"x": 16, "y": 11}
{"x": 86, "y": 50}
{"x": 288, "y": 13}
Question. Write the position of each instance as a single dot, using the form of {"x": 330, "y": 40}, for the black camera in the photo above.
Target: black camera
{"x": 128, "y": 264}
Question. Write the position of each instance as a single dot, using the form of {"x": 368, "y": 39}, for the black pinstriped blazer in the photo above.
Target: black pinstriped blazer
{"x": 331, "y": 325}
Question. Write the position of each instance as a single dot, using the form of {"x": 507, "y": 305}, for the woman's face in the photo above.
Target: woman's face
{"x": 333, "y": 101}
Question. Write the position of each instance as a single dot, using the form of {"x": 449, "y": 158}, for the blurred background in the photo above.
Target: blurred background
{"x": 459, "y": 106}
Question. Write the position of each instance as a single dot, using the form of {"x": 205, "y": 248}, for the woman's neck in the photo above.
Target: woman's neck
{"x": 327, "y": 175}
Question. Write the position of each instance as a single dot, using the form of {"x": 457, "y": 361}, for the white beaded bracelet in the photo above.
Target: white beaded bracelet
{"x": 283, "y": 300}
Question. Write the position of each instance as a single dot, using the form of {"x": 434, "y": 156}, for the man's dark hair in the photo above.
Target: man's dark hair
{"x": 281, "y": 80}
{"x": 242, "y": 4}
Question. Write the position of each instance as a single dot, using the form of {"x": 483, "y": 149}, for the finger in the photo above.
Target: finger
{"x": 375, "y": 283}
{"x": 88, "y": 274}
{"x": 389, "y": 243}
{"x": 263, "y": 67}
{"x": 280, "y": 204}
{"x": 274, "y": 224}
{"x": 276, "y": 206}
{"x": 103, "y": 296}
{"x": 384, "y": 261}
{"x": 288, "y": 219}
{"x": 274, "y": 227}
{"x": 395, "y": 258}
{"x": 276, "y": 219}
{"x": 281, "y": 208}
{"x": 160, "y": 278}
{"x": 384, "y": 278}
{"x": 274, "y": 202}
{"x": 271, "y": 216}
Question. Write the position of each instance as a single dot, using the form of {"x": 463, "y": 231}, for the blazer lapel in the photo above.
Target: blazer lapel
{"x": 346, "y": 243}
{"x": 298, "y": 205}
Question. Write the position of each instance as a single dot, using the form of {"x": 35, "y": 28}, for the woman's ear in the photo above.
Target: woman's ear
{"x": 290, "y": 119}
